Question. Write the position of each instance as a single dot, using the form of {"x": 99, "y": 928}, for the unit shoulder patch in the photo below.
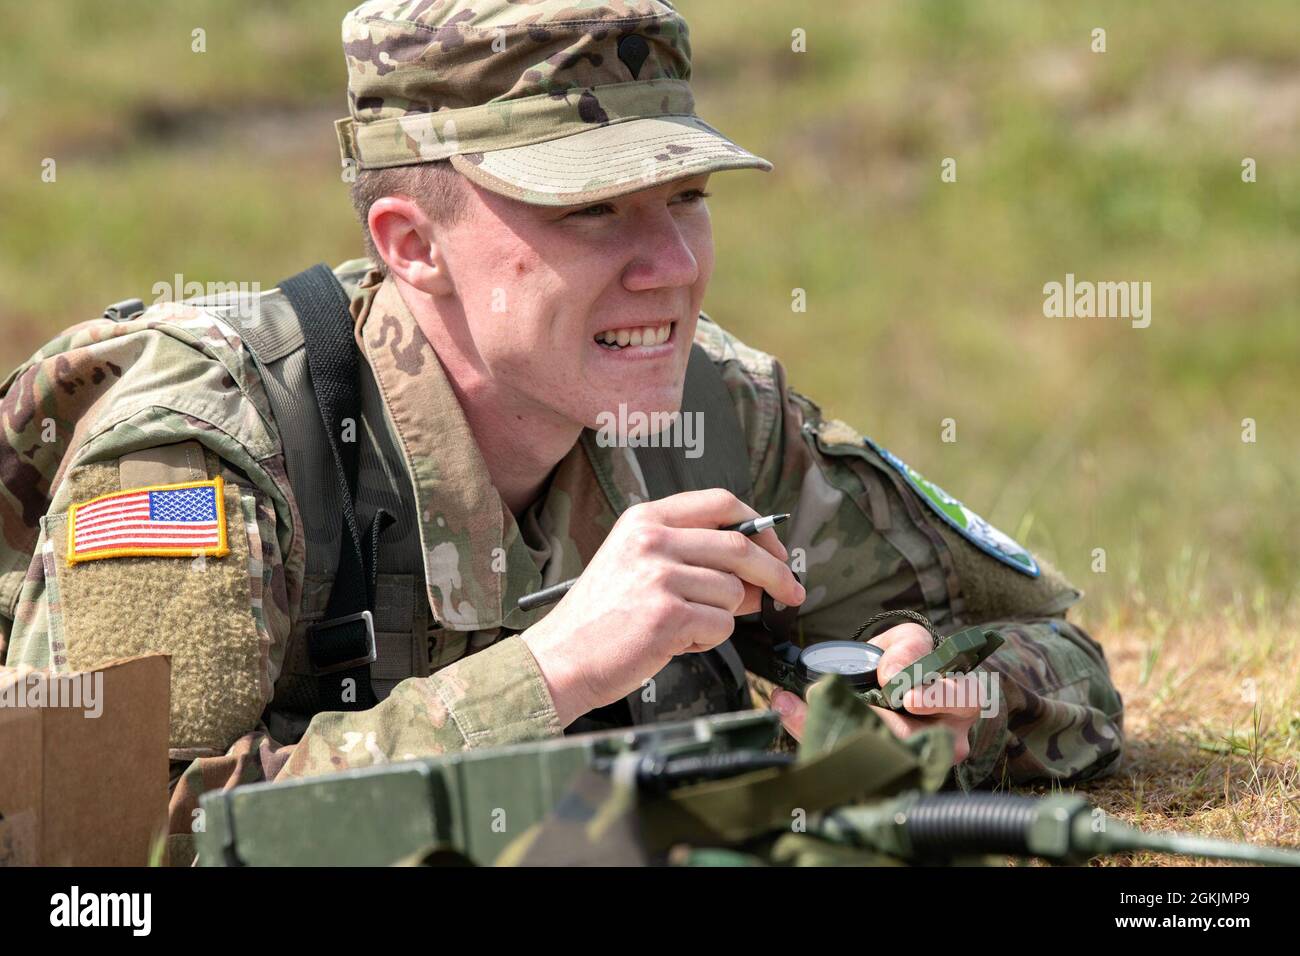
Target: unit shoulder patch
{"x": 961, "y": 519}
{"x": 182, "y": 520}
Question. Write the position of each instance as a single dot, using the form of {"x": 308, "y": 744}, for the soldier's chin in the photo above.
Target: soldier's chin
{"x": 634, "y": 423}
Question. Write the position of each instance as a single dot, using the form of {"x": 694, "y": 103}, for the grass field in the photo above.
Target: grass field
{"x": 925, "y": 298}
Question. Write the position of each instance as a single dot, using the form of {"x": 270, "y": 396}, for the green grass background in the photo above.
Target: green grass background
{"x": 924, "y": 298}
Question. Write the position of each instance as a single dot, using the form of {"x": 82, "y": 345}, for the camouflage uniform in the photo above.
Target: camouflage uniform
{"x": 112, "y": 405}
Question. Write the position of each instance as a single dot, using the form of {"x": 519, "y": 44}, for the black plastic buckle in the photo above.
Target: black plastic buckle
{"x": 369, "y": 657}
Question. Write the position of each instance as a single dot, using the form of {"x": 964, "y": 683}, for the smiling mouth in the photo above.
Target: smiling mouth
{"x": 647, "y": 335}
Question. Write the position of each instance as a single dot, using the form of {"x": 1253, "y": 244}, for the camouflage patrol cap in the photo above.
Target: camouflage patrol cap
{"x": 551, "y": 102}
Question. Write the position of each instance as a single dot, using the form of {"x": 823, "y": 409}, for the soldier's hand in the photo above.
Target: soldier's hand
{"x": 902, "y": 645}
{"x": 665, "y": 582}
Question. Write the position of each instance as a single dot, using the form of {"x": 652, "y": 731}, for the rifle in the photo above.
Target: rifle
{"x": 707, "y": 791}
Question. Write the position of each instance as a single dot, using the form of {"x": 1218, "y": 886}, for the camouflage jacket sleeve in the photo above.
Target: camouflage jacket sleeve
{"x": 493, "y": 697}
{"x": 110, "y": 405}
{"x": 865, "y": 540}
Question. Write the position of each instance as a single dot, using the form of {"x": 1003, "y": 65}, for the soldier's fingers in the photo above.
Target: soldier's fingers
{"x": 792, "y": 710}
{"x": 708, "y": 627}
{"x": 963, "y": 741}
{"x": 708, "y": 586}
{"x": 717, "y": 588}
{"x": 710, "y": 508}
{"x": 957, "y": 696}
{"x": 769, "y": 542}
{"x": 753, "y": 602}
{"x": 902, "y": 645}
{"x": 907, "y": 631}
{"x": 959, "y": 727}
{"x": 732, "y": 551}
{"x": 901, "y": 725}
{"x": 904, "y": 726}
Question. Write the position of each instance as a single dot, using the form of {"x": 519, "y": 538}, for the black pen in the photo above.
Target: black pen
{"x": 552, "y": 594}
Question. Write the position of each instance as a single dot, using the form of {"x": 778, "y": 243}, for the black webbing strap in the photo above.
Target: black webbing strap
{"x": 342, "y": 645}
{"x": 722, "y": 462}
{"x": 723, "y": 458}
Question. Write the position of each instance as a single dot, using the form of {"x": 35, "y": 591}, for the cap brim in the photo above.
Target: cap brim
{"x": 607, "y": 161}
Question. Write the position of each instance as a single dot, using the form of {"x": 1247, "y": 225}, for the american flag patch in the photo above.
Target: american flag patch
{"x": 184, "y": 520}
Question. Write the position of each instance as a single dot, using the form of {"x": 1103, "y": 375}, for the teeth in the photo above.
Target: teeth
{"x": 646, "y": 335}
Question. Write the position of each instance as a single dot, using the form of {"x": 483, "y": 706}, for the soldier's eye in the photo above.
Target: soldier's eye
{"x": 594, "y": 212}
{"x": 692, "y": 196}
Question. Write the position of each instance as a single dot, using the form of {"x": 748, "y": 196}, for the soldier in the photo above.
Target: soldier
{"x": 531, "y": 181}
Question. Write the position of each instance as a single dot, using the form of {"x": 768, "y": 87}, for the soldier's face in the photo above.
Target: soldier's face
{"x": 578, "y": 309}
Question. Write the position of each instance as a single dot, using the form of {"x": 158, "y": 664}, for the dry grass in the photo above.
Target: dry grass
{"x": 1212, "y": 719}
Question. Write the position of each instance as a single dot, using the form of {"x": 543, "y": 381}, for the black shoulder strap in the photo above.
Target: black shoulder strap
{"x": 341, "y": 646}
{"x": 723, "y": 457}
{"x": 722, "y": 461}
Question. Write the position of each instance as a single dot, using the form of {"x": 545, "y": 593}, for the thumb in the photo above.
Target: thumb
{"x": 792, "y": 710}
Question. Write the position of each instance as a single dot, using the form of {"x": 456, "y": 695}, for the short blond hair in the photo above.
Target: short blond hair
{"x": 436, "y": 186}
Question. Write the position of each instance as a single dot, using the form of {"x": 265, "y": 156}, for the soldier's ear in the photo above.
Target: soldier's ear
{"x": 404, "y": 236}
